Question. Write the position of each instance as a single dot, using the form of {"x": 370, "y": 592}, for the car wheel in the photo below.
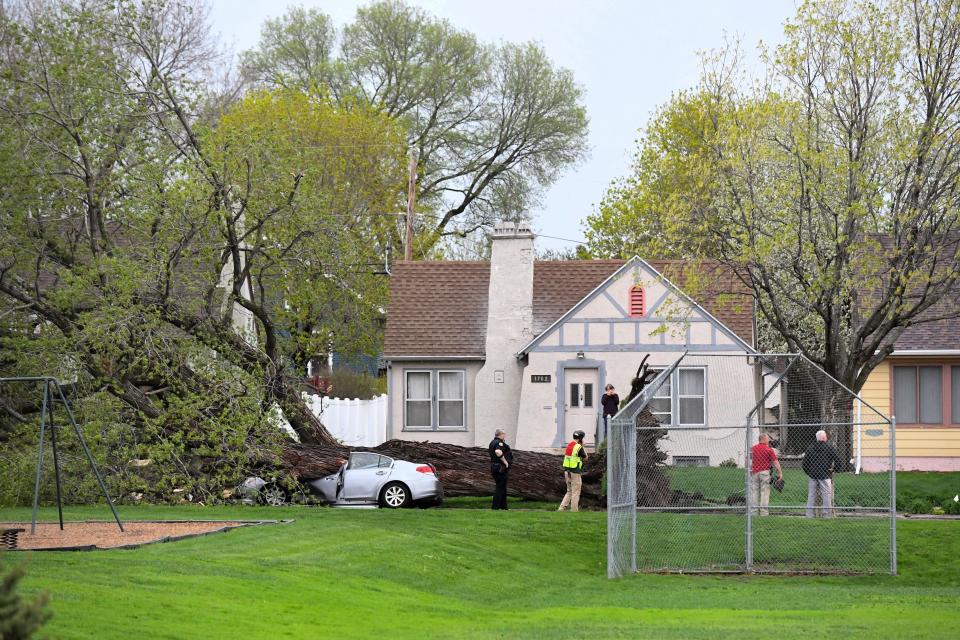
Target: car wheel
{"x": 394, "y": 496}
{"x": 273, "y": 495}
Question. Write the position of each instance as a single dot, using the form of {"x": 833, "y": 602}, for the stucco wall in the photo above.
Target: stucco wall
{"x": 729, "y": 390}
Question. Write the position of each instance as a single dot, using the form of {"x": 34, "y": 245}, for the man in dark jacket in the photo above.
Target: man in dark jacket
{"x": 819, "y": 463}
{"x": 500, "y": 460}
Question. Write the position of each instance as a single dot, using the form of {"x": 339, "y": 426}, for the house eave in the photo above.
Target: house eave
{"x": 924, "y": 353}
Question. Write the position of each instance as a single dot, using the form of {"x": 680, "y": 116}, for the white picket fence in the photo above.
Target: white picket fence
{"x": 354, "y": 422}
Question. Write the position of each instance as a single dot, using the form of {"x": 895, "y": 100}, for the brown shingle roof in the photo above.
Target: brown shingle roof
{"x": 439, "y": 309}
{"x": 936, "y": 330}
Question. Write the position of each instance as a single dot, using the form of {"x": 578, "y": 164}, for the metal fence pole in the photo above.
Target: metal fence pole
{"x": 893, "y": 495}
{"x": 83, "y": 444}
{"x": 56, "y": 465}
{"x": 36, "y": 485}
{"x": 748, "y": 465}
{"x": 632, "y": 489}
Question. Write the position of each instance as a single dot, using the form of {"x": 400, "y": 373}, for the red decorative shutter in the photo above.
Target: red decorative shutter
{"x": 637, "y": 302}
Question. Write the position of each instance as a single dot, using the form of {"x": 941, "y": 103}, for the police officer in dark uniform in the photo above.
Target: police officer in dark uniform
{"x": 500, "y": 460}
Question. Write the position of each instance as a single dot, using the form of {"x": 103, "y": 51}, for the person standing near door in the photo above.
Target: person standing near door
{"x": 500, "y": 460}
{"x": 574, "y": 456}
{"x": 611, "y": 404}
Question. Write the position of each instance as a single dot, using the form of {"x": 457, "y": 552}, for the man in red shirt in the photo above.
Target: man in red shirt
{"x": 763, "y": 456}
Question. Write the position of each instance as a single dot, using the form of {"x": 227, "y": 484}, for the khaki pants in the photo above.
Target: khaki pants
{"x": 760, "y": 488}
{"x": 572, "y": 497}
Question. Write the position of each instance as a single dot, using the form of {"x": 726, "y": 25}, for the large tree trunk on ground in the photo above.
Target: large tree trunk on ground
{"x": 464, "y": 471}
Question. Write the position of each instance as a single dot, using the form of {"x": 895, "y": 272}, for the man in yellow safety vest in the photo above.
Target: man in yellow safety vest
{"x": 574, "y": 456}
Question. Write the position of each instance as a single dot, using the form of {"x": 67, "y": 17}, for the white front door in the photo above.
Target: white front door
{"x": 582, "y": 403}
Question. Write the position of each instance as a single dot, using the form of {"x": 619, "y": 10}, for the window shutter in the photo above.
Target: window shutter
{"x": 637, "y": 302}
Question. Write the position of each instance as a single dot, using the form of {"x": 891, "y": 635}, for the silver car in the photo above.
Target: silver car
{"x": 370, "y": 478}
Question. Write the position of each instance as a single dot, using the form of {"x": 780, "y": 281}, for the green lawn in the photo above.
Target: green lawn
{"x": 872, "y": 490}
{"x": 458, "y": 573}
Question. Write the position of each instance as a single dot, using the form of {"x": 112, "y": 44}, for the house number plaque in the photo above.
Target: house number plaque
{"x": 535, "y": 377}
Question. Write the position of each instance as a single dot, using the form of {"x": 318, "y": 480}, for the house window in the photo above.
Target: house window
{"x": 419, "y": 414}
{"x": 450, "y": 397}
{"x": 435, "y": 400}
{"x": 926, "y": 394}
{"x": 661, "y": 405}
{"x": 692, "y": 396}
{"x": 581, "y": 394}
{"x": 637, "y": 302}
{"x": 955, "y": 394}
{"x": 691, "y": 461}
{"x": 687, "y": 391}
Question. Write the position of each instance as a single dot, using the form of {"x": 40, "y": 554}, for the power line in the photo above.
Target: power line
{"x": 543, "y": 235}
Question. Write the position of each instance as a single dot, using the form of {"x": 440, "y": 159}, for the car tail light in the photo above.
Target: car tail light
{"x": 427, "y": 468}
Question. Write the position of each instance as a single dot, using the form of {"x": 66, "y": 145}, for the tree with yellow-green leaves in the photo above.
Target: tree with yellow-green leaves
{"x": 830, "y": 185}
{"x": 493, "y": 125}
{"x": 170, "y": 265}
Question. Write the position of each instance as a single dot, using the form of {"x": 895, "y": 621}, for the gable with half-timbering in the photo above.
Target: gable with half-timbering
{"x": 637, "y": 308}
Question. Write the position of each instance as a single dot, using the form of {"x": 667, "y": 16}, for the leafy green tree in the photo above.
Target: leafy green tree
{"x": 493, "y": 125}
{"x": 830, "y": 186}
{"x": 178, "y": 266}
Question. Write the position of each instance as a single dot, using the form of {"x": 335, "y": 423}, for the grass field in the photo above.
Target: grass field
{"x": 460, "y": 573}
{"x": 871, "y": 490}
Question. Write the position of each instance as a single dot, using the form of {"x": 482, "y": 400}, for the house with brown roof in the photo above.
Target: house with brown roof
{"x": 528, "y": 345}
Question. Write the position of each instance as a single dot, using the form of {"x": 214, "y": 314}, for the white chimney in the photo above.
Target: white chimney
{"x": 509, "y": 328}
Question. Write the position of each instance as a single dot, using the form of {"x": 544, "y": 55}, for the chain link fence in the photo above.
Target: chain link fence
{"x": 684, "y": 493}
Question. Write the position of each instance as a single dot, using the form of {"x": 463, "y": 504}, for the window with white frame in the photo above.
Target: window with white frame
{"x": 661, "y": 405}
{"x": 434, "y": 399}
{"x": 419, "y": 410}
{"x": 692, "y": 397}
{"x": 682, "y": 399}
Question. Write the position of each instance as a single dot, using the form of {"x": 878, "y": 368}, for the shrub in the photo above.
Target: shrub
{"x": 347, "y": 384}
{"x": 729, "y": 462}
{"x": 920, "y": 505}
{"x": 19, "y": 618}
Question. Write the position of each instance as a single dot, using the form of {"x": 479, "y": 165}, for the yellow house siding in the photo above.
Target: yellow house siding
{"x": 876, "y": 390}
{"x": 936, "y": 442}
{"x": 929, "y": 442}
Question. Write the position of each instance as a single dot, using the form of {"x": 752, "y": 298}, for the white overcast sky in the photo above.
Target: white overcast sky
{"x": 628, "y": 55}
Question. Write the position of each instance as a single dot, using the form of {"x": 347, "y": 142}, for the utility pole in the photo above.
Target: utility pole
{"x": 411, "y": 203}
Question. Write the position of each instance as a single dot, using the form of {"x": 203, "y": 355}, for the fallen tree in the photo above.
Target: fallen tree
{"x": 465, "y": 471}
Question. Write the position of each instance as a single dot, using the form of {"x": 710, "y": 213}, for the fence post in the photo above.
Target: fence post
{"x": 382, "y": 401}
{"x": 632, "y": 485}
{"x": 748, "y": 502}
{"x": 893, "y": 495}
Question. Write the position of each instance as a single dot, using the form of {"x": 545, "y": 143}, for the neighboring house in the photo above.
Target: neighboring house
{"x": 528, "y": 346}
{"x": 919, "y": 384}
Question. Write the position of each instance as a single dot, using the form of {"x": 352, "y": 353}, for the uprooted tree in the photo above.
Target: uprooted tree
{"x": 173, "y": 262}
{"x": 465, "y": 471}
{"x": 176, "y": 267}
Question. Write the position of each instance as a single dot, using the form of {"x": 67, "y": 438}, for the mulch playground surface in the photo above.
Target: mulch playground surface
{"x": 88, "y": 535}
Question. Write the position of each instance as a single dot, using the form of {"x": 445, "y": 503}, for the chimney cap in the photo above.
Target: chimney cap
{"x": 509, "y": 229}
